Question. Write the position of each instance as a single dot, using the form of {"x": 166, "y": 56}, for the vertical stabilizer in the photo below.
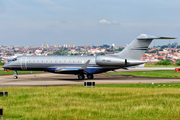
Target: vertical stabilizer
{"x": 137, "y": 47}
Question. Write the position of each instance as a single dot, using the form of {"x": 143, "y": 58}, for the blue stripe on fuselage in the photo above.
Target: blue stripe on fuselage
{"x": 96, "y": 70}
{"x": 89, "y": 70}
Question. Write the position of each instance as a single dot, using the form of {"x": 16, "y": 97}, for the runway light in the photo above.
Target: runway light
{"x": 152, "y": 83}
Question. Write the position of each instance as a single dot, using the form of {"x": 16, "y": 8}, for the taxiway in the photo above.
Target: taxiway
{"x": 48, "y": 79}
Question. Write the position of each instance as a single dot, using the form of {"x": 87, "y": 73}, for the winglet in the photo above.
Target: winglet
{"x": 85, "y": 65}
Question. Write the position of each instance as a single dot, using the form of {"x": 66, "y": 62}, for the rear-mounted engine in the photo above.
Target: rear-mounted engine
{"x": 109, "y": 60}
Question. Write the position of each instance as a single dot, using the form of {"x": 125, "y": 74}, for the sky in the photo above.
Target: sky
{"x": 87, "y": 22}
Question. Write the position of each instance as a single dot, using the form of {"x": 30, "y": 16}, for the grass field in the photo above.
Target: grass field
{"x": 19, "y": 72}
{"x": 142, "y": 101}
{"x": 162, "y": 74}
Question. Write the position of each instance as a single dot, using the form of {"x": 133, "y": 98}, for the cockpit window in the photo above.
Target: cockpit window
{"x": 14, "y": 59}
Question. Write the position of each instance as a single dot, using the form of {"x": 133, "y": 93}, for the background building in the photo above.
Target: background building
{"x": 57, "y": 45}
{"x": 65, "y": 45}
{"x": 71, "y": 45}
{"x": 45, "y": 45}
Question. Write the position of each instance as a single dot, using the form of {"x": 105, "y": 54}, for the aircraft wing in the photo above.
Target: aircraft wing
{"x": 85, "y": 65}
{"x": 74, "y": 70}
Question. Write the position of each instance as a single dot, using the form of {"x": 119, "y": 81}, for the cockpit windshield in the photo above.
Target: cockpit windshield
{"x": 14, "y": 59}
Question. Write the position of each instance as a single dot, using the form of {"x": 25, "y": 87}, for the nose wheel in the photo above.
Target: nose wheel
{"x": 15, "y": 75}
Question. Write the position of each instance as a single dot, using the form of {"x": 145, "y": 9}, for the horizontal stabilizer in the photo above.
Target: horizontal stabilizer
{"x": 153, "y": 37}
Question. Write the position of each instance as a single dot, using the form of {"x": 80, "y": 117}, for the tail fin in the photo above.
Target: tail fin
{"x": 138, "y": 46}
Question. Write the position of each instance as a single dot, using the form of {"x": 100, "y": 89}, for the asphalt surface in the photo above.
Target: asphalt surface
{"x": 63, "y": 79}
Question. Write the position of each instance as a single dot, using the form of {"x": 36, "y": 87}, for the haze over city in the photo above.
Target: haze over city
{"x": 94, "y": 22}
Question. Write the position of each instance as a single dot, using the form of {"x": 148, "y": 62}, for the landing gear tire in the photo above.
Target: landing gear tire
{"x": 90, "y": 76}
{"x": 81, "y": 77}
{"x": 15, "y": 77}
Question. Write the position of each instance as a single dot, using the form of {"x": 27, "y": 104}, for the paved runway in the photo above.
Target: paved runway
{"x": 62, "y": 79}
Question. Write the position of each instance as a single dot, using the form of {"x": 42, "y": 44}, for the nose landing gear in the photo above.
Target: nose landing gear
{"x": 15, "y": 75}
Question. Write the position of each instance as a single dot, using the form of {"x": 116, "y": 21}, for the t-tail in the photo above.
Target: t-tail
{"x": 137, "y": 47}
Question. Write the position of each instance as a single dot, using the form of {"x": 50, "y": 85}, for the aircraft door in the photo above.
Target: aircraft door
{"x": 24, "y": 63}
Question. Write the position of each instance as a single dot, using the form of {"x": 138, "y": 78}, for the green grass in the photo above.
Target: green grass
{"x": 102, "y": 102}
{"x": 142, "y": 85}
{"x": 19, "y": 72}
{"x": 161, "y": 74}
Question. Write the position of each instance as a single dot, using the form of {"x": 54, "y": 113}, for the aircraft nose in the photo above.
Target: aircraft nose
{"x": 5, "y": 66}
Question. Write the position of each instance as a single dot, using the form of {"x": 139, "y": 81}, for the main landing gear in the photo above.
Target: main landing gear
{"x": 82, "y": 77}
{"x": 15, "y": 75}
{"x": 90, "y": 76}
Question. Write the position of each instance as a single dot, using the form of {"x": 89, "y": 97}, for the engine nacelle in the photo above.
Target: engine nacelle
{"x": 110, "y": 60}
